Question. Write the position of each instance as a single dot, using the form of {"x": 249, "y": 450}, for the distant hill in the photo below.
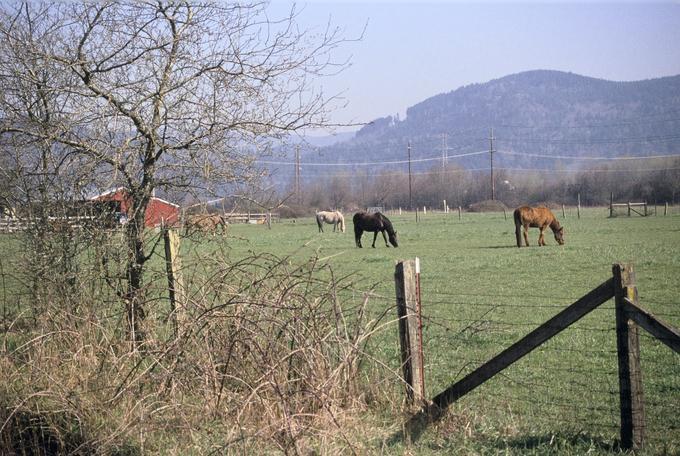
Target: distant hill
{"x": 541, "y": 112}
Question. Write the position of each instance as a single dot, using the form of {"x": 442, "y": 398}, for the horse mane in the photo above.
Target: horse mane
{"x": 555, "y": 225}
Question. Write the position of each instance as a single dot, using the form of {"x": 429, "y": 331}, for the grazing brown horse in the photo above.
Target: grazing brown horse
{"x": 536, "y": 217}
{"x": 373, "y": 222}
{"x": 205, "y": 223}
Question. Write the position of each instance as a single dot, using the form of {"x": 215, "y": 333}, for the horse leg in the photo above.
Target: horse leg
{"x": 375, "y": 236}
{"x": 541, "y": 237}
{"x": 385, "y": 238}
{"x": 518, "y": 234}
{"x": 526, "y": 235}
{"x": 357, "y": 236}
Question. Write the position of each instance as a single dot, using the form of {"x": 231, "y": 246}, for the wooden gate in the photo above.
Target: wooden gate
{"x": 629, "y": 317}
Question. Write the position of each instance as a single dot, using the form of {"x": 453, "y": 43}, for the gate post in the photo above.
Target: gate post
{"x": 406, "y": 282}
{"x": 628, "y": 349}
{"x": 175, "y": 279}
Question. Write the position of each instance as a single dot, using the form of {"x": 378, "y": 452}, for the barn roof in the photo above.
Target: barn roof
{"x": 108, "y": 192}
{"x": 118, "y": 189}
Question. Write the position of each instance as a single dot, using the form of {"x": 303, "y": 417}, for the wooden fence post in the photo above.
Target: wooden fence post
{"x": 611, "y": 204}
{"x": 458, "y": 212}
{"x": 628, "y": 349}
{"x": 665, "y": 208}
{"x": 175, "y": 280}
{"x": 578, "y": 206}
{"x": 407, "y": 286}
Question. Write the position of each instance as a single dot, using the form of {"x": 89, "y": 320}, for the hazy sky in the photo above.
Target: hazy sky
{"x": 413, "y": 50}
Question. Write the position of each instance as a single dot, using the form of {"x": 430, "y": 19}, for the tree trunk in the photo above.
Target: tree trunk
{"x": 135, "y": 296}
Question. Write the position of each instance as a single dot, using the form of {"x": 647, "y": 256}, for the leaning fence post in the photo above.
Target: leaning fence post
{"x": 628, "y": 349}
{"x": 407, "y": 285}
{"x": 175, "y": 279}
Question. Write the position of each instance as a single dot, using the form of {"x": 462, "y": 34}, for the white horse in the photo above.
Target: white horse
{"x": 331, "y": 217}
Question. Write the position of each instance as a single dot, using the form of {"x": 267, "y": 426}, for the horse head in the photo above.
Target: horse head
{"x": 393, "y": 238}
{"x": 559, "y": 235}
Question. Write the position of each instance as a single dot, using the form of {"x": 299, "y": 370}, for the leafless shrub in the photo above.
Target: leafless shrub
{"x": 266, "y": 355}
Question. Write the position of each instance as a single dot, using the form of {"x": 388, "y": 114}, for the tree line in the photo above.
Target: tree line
{"x": 656, "y": 180}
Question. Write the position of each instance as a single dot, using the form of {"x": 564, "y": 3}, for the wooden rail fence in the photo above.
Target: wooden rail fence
{"x": 629, "y": 318}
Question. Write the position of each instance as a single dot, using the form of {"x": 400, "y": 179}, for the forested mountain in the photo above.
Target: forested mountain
{"x": 535, "y": 116}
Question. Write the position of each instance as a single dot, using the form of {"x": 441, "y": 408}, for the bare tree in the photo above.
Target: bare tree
{"x": 157, "y": 95}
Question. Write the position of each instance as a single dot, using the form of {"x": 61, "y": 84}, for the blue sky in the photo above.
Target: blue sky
{"x": 413, "y": 50}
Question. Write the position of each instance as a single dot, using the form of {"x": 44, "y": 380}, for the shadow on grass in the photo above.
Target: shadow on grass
{"x": 575, "y": 441}
{"x": 498, "y": 247}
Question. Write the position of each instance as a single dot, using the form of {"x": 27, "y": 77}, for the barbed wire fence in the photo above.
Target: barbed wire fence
{"x": 567, "y": 387}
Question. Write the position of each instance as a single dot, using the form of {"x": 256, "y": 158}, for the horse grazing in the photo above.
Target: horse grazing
{"x": 334, "y": 218}
{"x": 205, "y": 223}
{"x": 373, "y": 222}
{"x": 536, "y": 217}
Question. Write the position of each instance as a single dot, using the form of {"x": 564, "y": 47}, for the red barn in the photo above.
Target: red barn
{"x": 158, "y": 212}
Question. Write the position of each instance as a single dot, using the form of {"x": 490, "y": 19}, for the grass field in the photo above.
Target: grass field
{"x": 480, "y": 293}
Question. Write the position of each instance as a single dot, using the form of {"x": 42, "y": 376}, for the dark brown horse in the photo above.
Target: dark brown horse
{"x": 536, "y": 217}
{"x": 375, "y": 223}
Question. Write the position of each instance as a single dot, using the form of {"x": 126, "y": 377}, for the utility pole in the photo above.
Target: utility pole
{"x": 410, "y": 200}
{"x": 297, "y": 172}
{"x": 491, "y": 151}
{"x": 445, "y": 152}
{"x": 445, "y": 156}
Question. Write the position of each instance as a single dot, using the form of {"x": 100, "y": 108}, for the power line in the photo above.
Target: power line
{"x": 504, "y": 152}
{"x": 496, "y": 168}
{"x": 574, "y": 157}
{"x": 595, "y": 141}
{"x": 386, "y": 162}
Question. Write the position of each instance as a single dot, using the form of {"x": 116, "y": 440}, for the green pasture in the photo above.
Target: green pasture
{"x": 481, "y": 293}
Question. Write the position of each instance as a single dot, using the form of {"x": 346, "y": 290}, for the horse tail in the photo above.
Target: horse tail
{"x": 341, "y": 220}
{"x": 517, "y": 215}
{"x": 319, "y": 221}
